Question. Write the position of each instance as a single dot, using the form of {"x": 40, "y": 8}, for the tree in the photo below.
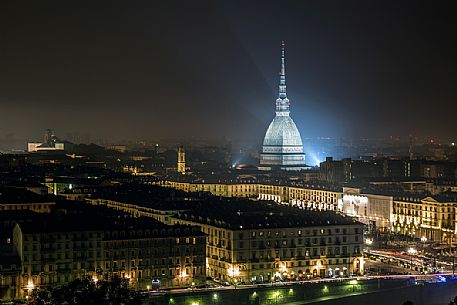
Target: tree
{"x": 87, "y": 292}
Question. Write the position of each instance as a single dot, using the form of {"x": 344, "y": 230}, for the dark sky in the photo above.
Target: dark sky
{"x": 154, "y": 69}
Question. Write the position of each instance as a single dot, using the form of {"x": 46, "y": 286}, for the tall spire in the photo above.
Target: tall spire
{"x": 282, "y": 74}
{"x": 282, "y": 103}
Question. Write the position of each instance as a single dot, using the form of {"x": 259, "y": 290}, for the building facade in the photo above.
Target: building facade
{"x": 148, "y": 253}
{"x": 374, "y": 210}
{"x": 431, "y": 217}
{"x": 263, "y": 255}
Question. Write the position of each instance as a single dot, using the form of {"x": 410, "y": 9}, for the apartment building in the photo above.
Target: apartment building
{"x": 263, "y": 242}
{"x": 56, "y": 249}
{"x": 432, "y": 217}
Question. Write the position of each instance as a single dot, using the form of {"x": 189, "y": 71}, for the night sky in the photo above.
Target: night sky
{"x": 156, "y": 69}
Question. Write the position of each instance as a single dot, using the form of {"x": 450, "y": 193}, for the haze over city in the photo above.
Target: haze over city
{"x": 208, "y": 69}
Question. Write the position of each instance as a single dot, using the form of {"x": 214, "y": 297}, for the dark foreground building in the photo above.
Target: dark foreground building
{"x": 78, "y": 241}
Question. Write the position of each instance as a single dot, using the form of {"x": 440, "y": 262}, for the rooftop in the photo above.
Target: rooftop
{"x": 17, "y": 195}
{"x": 148, "y": 196}
{"x": 225, "y": 212}
{"x": 78, "y": 217}
{"x": 244, "y": 214}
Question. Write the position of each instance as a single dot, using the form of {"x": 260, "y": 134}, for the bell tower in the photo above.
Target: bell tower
{"x": 181, "y": 160}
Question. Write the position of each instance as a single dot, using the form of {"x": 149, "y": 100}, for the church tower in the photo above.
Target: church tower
{"x": 181, "y": 160}
{"x": 282, "y": 145}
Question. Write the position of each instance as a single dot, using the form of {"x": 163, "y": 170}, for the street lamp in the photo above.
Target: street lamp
{"x": 411, "y": 252}
{"x": 233, "y": 272}
{"x": 215, "y": 298}
{"x": 276, "y": 295}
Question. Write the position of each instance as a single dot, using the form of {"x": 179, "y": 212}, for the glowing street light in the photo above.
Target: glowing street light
{"x": 276, "y": 295}
{"x": 411, "y": 252}
{"x": 233, "y": 272}
{"x": 423, "y": 239}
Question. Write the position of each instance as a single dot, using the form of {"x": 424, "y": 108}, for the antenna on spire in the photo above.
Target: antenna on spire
{"x": 282, "y": 73}
{"x": 283, "y": 68}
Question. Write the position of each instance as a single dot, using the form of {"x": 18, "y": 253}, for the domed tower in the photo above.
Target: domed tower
{"x": 282, "y": 145}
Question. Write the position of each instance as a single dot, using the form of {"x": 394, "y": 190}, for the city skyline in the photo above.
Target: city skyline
{"x": 157, "y": 152}
{"x": 209, "y": 70}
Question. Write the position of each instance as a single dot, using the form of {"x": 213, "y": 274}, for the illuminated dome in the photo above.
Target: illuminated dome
{"x": 282, "y": 132}
{"x": 282, "y": 145}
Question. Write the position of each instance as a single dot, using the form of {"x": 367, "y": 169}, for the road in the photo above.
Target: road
{"x": 314, "y": 281}
{"x": 432, "y": 294}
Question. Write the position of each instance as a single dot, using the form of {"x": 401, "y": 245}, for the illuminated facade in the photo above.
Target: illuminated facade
{"x": 431, "y": 217}
{"x": 243, "y": 190}
{"x": 149, "y": 257}
{"x": 371, "y": 209}
{"x": 319, "y": 199}
{"x": 239, "y": 254}
{"x": 282, "y": 145}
